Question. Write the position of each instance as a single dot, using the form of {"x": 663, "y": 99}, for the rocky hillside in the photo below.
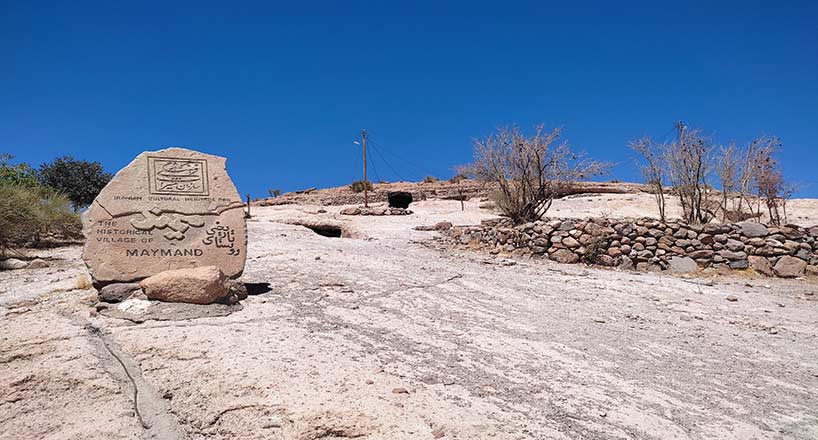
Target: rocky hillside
{"x": 441, "y": 190}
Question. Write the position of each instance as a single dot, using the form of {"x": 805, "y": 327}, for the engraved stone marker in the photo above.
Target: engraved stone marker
{"x": 168, "y": 209}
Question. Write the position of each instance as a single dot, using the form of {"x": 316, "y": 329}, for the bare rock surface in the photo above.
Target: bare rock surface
{"x": 484, "y": 346}
{"x": 168, "y": 209}
{"x": 143, "y": 311}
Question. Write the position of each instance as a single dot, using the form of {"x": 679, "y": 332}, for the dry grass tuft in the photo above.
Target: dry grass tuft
{"x": 83, "y": 282}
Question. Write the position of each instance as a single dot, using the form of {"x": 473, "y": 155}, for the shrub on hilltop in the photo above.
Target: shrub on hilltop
{"x": 359, "y": 185}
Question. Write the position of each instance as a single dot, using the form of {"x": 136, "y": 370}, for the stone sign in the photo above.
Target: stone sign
{"x": 168, "y": 209}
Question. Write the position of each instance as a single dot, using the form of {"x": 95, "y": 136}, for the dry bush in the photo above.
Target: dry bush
{"x": 771, "y": 189}
{"x": 29, "y": 213}
{"x": 529, "y": 171}
{"x": 727, "y": 168}
{"x": 653, "y": 169}
{"x": 690, "y": 162}
{"x": 751, "y": 180}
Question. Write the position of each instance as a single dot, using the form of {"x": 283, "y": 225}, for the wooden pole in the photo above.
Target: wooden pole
{"x": 366, "y": 193}
{"x": 247, "y": 214}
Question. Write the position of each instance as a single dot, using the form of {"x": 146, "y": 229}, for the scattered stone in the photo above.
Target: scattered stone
{"x": 439, "y": 226}
{"x": 443, "y": 226}
{"x": 38, "y": 263}
{"x": 732, "y": 298}
{"x": 168, "y": 209}
{"x": 12, "y": 264}
{"x": 570, "y": 242}
{"x": 790, "y": 267}
{"x": 564, "y": 256}
{"x": 753, "y": 230}
{"x": 238, "y": 288}
{"x": 734, "y": 245}
{"x": 438, "y": 433}
{"x": 731, "y": 255}
{"x": 701, "y": 254}
{"x": 118, "y": 292}
{"x": 761, "y": 265}
{"x": 134, "y": 306}
{"x": 400, "y": 390}
{"x": 201, "y": 285}
{"x": 683, "y": 265}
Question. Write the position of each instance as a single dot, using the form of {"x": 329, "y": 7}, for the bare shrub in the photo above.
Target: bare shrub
{"x": 727, "y": 167}
{"x": 771, "y": 189}
{"x": 689, "y": 163}
{"x": 653, "y": 169}
{"x": 752, "y": 182}
{"x": 529, "y": 171}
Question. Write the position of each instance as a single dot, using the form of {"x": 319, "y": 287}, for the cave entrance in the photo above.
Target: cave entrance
{"x": 326, "y": 230}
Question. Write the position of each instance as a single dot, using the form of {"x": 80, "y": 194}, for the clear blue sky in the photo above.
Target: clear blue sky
{"x": 283, "y": 90}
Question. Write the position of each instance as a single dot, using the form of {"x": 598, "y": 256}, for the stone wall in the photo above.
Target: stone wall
{"x": 647, "y": 244}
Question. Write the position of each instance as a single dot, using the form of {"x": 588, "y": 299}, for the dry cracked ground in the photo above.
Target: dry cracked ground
{"x": 393, "y": 336}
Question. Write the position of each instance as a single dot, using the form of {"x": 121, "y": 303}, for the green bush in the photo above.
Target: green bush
{"x": 16, "y": 174}
{"x": 28, "y": 213}
{"x": 358, "y": 186}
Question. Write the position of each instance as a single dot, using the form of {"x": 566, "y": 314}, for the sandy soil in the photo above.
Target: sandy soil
{"x": 802, "y": 212}
{"x": 392, "y": 336}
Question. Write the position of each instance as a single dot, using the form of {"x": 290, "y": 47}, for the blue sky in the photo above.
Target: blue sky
{"x": 283, "y": 89}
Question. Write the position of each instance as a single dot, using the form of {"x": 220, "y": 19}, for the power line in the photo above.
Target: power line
{"x": 403, "y": 160}
{"x": 374, "y": 169}
{"x": 378, "y": 152}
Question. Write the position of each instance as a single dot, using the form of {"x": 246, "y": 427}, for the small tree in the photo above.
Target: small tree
{"x": 274, "y": 192}
{"x": 653, "y": 169}
{"x": 79, "y": 180}
{"x": 529, "y": 171}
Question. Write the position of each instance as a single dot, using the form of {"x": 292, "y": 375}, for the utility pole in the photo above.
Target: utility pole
{"x": 363, "y": 144}
{"x": 681, "y": 128}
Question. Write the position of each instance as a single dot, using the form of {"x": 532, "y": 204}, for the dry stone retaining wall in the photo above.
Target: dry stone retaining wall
{"x": 647, "y": 244}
